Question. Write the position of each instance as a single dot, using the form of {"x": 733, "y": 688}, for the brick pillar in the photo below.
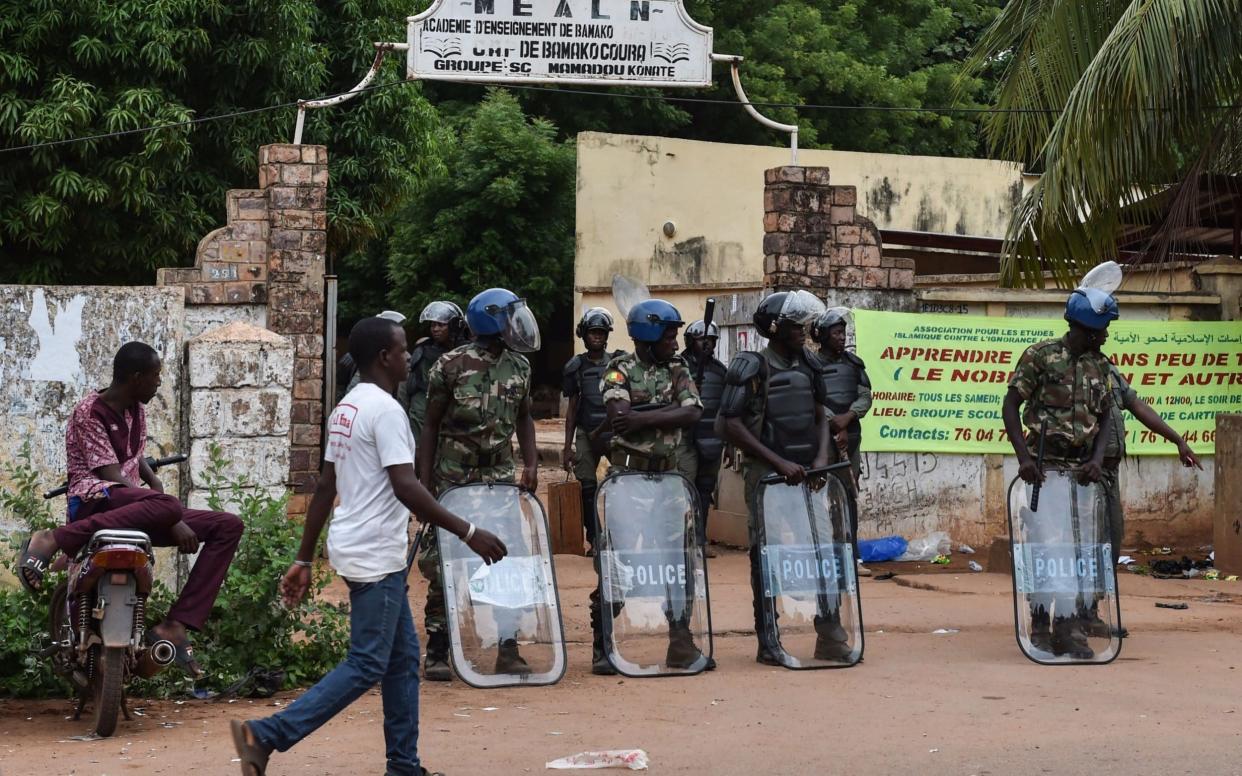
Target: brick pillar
{"x": 814, "y": 239}
{"x": 295, "y": 180}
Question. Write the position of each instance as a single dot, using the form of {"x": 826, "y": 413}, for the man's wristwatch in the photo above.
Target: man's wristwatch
{"x": 303, "y": 563}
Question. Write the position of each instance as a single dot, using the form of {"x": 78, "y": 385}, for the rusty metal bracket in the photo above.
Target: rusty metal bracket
{"x": 381, "y": 49}
{"x": 735, "y": 63}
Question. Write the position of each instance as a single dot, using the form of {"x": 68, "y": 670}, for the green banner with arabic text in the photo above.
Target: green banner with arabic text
{"x": 938, "y": 380}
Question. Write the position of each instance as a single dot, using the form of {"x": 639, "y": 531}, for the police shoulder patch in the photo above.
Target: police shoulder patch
{"x": 614, "y": 376}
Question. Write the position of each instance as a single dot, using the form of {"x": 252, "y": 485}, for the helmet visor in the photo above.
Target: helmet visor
{"x": 1099, "y": 299}
{"x": 439, "y": 312}
{"x": 521, "y": 330}
{"x": 597, "y": 318}
{"x": 801, "y": 307}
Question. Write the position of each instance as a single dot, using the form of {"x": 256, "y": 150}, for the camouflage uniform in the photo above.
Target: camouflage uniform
{"x": 630, "y": 379}
{"x": 1071, "y": 393}
{"x": 1123, "y": 398}
{"x": 627, "y": 378}
{"x": 482, "y": 396}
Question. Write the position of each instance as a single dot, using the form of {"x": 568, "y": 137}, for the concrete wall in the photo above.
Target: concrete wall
{"x": 57, "y": 343}
{"x": 629, "y": 186}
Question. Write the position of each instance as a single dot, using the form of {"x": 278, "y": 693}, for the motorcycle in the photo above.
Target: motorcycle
{"x": 97, "y": 620}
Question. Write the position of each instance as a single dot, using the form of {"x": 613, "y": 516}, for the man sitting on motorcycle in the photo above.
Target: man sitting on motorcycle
{"x": 104, "y": 445}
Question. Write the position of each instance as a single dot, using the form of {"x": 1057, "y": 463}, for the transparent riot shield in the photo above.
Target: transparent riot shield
{"x": 653, "y": 578}
{"x": 811, "y": 603}
{"x": 504, "y": 619}
{"x": 1066, "y": 608}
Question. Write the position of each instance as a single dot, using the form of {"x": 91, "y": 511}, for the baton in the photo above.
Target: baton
{"x": 413, "y": 553}
{"x": 770, "y": 479}
{"x": 1043, "y": 432}
{"x": 154, "y": 463}
{"x": 709, "y": 311}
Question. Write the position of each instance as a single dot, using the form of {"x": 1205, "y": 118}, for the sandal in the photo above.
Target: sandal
{"x": 254, "y": 753}
{"x": 31, "y": 568}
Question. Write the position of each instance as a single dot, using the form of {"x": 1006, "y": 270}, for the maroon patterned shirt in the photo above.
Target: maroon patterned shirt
{"x": 99, "y": 436}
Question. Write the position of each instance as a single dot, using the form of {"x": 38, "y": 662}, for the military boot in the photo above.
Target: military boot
{"x": 1041, "y": 630}
{"x": 508, "y": 661}
{"x": 768, "y": 651}
{"x": 831, "y": 640}
{"x": 1097, "y": 628}
{"x": 599, "y": 659}
{"x": 1069, "y": 637}
{"x": 682, "y": 653}
{"x": 435, "y": 664}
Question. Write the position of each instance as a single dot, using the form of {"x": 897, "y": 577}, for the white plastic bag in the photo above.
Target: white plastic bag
{"x": 633, "y": 759}
{"x": 927, "y": 547}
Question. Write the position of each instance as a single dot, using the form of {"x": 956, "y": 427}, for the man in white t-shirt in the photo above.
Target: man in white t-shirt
{"x": 369, "y": 463}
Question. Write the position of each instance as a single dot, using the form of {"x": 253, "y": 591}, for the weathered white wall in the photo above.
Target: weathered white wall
{"x": 201, "y": 317}
{"x": 57, "y": 343}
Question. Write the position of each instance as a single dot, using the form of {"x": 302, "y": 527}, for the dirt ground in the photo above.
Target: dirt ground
{"x": 958, "y": 703}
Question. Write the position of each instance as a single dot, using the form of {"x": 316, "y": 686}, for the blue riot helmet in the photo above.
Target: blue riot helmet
{"x": 498, "y": 312}
{"x": 647, "y": 320}
{"x": 1091, "y": 308}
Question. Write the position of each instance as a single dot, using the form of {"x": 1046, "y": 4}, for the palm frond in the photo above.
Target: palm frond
{"x": 1141, "y": 121}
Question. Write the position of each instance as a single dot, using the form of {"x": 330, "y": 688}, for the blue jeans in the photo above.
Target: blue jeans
{"x": 383, "y": 648}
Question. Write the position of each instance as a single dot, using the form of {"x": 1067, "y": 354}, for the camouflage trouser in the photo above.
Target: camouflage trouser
{"x": 447, "y": 474}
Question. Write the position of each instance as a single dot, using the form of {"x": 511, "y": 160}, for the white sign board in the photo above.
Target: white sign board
{"x": 636, "y": 42}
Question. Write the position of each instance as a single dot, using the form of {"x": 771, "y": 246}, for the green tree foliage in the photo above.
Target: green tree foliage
{"x": 111, "y": 210}
{"x": 500, "y": 213}
{"x": 1131, "y": 114}
{"x": 894, "y": 54}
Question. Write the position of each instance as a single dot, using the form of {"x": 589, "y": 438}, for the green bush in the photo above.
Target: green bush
{"x": 249, "y": 627}
{"x": 23, "y": 620}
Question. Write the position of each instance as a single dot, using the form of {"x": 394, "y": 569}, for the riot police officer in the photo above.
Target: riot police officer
{"x": 698, "y": 455}
{"x": 347, "y": 375}
{"x": 772, "y": 410}
{"x": 847, "y": 399}
{"x": 1061, "y": 385}
{"x": 478, "y": 399}
{"x": 654, "y": 378}
{"x": 447, "y": 330}
{"x": 585, "y": 440}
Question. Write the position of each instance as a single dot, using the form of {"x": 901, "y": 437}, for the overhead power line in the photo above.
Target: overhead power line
{"x": 572, "y": 92}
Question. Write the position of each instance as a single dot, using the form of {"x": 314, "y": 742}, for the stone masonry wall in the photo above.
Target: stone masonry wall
{"x": 295, "y": 179}
{"x": 814, "y": 239}
{"x": 240, "y": 379}
{"x": 266, "y": 267}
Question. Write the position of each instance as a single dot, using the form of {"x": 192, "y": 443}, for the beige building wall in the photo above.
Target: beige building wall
{"x": 630, "y": 186}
